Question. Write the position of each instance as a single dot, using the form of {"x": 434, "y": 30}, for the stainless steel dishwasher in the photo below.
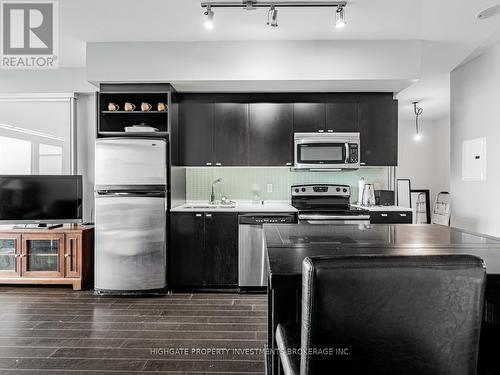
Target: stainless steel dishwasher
{"x": 252, "y": 270}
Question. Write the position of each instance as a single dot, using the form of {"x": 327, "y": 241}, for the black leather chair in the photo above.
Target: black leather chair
{"x": 404, "y": 315}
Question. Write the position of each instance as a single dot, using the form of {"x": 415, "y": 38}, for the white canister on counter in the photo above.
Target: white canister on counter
{"x": 361, "y": 188}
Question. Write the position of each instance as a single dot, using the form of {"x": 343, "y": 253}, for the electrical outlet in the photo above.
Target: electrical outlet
{"x": 269, "y": 188}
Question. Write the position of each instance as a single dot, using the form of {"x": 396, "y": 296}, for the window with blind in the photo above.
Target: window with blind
{"x": 36, "y": 135}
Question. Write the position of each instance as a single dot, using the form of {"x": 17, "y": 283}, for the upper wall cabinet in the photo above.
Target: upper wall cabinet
{"x": 309, "y": 117}
{"x": 271, "y": 134}
{"x": 196, "y": 134}
{"x": 378, "y": 125}
{"x": 257, "y": 129}
{"x": 231, "y": 134}
{"x": 325, "y": 117}
{"x": 213, "y": 134}
{"x": 342, "y": 117}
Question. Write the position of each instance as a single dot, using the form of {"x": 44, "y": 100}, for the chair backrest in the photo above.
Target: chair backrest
{"x": 441, "y": 210}
{"x": 411, "y": 315}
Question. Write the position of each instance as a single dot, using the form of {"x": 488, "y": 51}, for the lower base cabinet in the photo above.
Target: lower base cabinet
{"x": 42, "y": 256}
{"x": 204, "y": 250}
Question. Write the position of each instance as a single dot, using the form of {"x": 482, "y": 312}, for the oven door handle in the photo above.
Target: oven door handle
{"x": 333, "y": 217}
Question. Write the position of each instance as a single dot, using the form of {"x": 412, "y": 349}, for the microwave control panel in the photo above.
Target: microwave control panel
{"x": 353, "y": 153}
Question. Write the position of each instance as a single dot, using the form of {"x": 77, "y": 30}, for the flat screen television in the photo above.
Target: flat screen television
{"x": 42, "y": 199}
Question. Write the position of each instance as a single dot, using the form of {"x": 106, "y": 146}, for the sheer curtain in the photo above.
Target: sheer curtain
{"x": 37, "y": 134}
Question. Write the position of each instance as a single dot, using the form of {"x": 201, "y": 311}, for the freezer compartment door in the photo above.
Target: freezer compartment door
{"x": 130, "y": 162}
{"x": 130, "y": 250}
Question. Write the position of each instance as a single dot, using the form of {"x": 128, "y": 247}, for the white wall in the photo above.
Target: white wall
{"x": 475, "y": 112}
{"x": 425, "y": 162}
{"x": 45, "y": 81}
{"x": 188, "y": 64}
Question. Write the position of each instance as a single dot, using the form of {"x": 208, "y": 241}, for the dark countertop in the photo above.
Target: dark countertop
{"x": 288, "y": 245}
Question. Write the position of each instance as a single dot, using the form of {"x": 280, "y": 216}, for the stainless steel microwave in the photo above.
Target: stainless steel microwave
{"x": 326, "y": 150}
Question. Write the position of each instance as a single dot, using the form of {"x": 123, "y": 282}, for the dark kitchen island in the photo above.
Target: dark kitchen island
{"x": 288, "y": 245}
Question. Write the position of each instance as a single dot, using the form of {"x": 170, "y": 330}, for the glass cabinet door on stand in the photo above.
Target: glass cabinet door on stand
{"x": 10, "y": 251}
{"x": 43, "y": 255}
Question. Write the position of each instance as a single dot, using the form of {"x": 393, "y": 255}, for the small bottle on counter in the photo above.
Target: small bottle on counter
{"x": 361, "y": 188}
{"x": 256, "y": 194}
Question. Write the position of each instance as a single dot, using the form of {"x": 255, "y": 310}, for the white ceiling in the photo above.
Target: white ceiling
{"x": 182, "y": 20}
{"x": 448, "y": 28}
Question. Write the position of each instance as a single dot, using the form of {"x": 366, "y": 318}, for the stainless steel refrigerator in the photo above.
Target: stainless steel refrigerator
{"x": 130, "y": 215}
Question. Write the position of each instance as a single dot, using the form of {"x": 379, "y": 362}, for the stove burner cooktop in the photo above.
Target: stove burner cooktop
{"x": 326, "y": 199}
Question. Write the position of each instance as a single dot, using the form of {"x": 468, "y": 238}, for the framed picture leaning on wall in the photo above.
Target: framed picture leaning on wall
{"x": 420, "y": 201}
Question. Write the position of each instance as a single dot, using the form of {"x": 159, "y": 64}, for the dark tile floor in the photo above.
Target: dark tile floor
{"x": 58, "y": 331}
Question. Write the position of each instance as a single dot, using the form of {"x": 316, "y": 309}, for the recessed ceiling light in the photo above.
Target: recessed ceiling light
{"x": 489, "y": 12}
{"x": 340, "y": 17}
{"x": 209, "y": 18}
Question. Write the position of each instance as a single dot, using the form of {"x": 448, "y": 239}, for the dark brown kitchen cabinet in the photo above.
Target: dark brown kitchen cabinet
{"x": 342, "y": 117}
{"x": 187, "y": 252}
{"x": 238, "y": 130}
{"x": 309, "y": 117}
{"x": 204, "y": 250}
{"x": 221, "y": 246}
{"x": 271, "y": 134}
{"x": 196, "y": 134}
{"x": 231, "y": 134}
{"x": 378, "y": 125}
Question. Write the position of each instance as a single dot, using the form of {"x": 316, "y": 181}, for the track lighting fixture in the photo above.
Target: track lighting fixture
{"x": 209, "y": 18}
{"x": 418, "y": 111}
{"x": 272, "y": 14}
{"x": 340, "y": 17}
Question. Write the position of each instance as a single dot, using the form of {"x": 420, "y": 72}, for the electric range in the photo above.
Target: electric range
{"x": 327, "y": 204}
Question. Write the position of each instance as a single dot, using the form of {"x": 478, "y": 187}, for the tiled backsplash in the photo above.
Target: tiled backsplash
{"x": 240, "y": 183}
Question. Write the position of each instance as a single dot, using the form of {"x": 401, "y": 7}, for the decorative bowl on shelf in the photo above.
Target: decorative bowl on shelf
{"x": 141, "y": 128}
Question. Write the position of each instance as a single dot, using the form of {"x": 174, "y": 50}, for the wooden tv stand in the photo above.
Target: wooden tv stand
{"x": 63, "y": 255}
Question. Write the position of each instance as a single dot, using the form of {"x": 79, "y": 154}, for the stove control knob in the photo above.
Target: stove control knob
{"x": 344, "y": 190}
{"x": 296, "y": 190}
{"x": 338, "y": 189}
{"x": 303, "y": 190}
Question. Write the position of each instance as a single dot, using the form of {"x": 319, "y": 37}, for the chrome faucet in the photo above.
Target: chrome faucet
{"x": 212, "y": 195}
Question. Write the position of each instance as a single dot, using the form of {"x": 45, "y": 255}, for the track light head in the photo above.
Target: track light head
{"x": 209, "y": 18}
{"x": 272, "y": 16}
{"x": 340, "y": 17}
{"x": 249, "y": 5}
